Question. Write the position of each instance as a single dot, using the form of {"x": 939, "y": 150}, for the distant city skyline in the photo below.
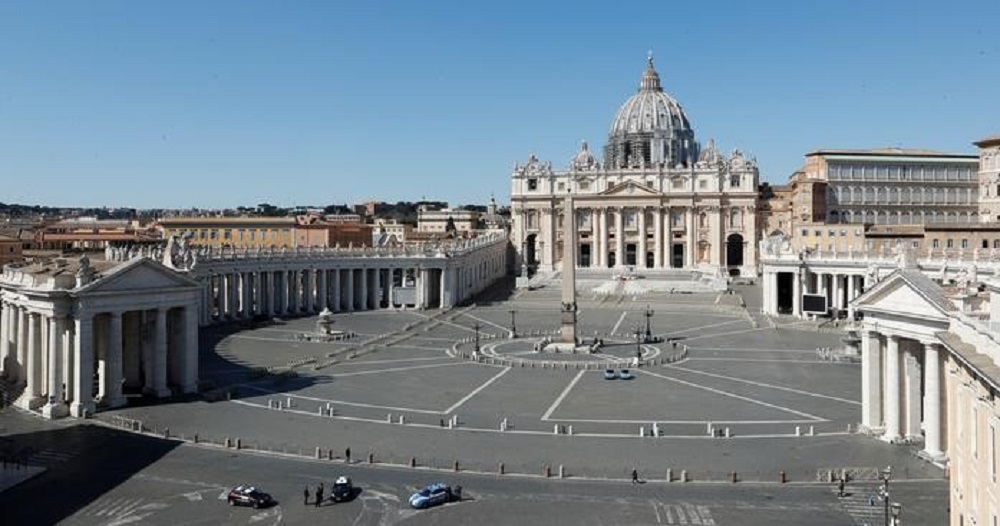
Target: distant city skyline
{"x": 222, "y": 104}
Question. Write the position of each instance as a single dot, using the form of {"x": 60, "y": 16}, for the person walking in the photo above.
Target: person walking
{"x": 305, "y": 496}
{"x": 840, "y": 487}
{"x": 319, "y": 495}
{"x": 347, "y": 455}
{"x": 635, "y": 476}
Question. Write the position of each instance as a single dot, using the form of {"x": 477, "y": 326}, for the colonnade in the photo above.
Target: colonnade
{"x": 901, "y": 389}
{"x": 839, "y": 287}
{"x": 70, "y": 360}
{"x": 300, "y": 284}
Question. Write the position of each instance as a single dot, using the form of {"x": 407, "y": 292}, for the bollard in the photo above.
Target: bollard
{"x": 319, "y": 453}
{"x": 656, "y": 429}
{"x": 501, "y": 469}
{"x": 728, "y": 434}
{"x": 642, "y": 431}
{"x": 329, "y": 454}
{"x": 330, "y": 412}
{"x": 451, "y": 424}
{"x": 371, "y": 458}
{"x": 270, "y": 404}
{"x": 401, "y": 419}
{"x": 239, "y": 443}
{"x": 320, "y": 411}
{"x": 455, "y": 467}
{"x": 413, "y": 462}
{"x": 562, "y": 472}
{"x": 732, "y": 477}
{"x": 848, "y": 429}
{"x": 812, "y": 431}
{"x": 798, "y": 431}
{"x": 710, "y": 433}
{"x": 570, "y": 431}
{"x": 555, "y": 429}
{"x": 388, "y": 418}
{"x": 670, "y": 475}
{"x": 196, "y": 438}
{"x": 228, "y": 442}
{"x": 782, "y": 477}
{"x": 288, "y": 402}
{"x": 684, "y": 475}
{"x": 829, "y": 476}
{"x": 548, "y": 471}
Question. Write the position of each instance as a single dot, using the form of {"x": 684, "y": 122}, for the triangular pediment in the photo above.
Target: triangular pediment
{"x": 630, "y": 189}
{"x": 897, "y": 295}
{"x": 138, "y": 275}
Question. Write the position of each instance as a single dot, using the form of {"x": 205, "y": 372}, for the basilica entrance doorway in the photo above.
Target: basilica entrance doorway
{"x": 734, "y": 251}
{"x": 677, "y": 255}
{"x": 584, "y": 255}
{"x": 630, "y": 254}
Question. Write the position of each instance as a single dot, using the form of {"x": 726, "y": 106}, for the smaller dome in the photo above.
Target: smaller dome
{"x": 584, "y": 160}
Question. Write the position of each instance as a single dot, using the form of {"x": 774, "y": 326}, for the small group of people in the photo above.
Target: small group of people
{"x": 319, "y": 489}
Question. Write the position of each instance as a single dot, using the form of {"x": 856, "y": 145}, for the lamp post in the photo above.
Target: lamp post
{"x": 886, "y": 476}
{"x": 638, "y": 339}
{"x": 513, "y": 327}
{"x": 476, "y": 326}
{"x": 649, "y": 314}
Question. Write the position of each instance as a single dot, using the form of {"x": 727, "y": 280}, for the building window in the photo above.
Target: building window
{"x": 703, "y": 184}
{"x": 935, "y": 243}
{"x": 831, "y": 233}
{"x": 584, "y": 185}
{"x": 213, "y": 234}
{"x": 915, "y": 244}
{"x": 843, "y": 233}
{"x": 818, "y": 233}
{"x": 805, "y": 232}
{"x": 561, "y": 186}
{"x": 950, "y": 243}
{"x": 677, "y": 184}
{"x": 965, "y": 243}
{"x": 630, "y": 219}
{"x": 734, "y": 180}
{"x": 996, "y": 243}
{"x": 532, "y": 184}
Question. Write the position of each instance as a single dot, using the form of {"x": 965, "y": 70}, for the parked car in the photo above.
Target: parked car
{"x": 610, "y": 374}
{"x": 435, "y": 494}
{"x": 626, "y": 374}
{"x": 342, "y": 489}
{"x": 246, "y": 495}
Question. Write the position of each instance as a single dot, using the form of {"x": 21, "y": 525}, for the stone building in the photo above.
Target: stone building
{"x": 76, "y": 334}
{"x": 10, "y": 250}
{"x": 989, "y": 178}
{"x": 658, "y": 199}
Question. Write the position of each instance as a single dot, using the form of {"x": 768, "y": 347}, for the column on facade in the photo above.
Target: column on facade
{"x": 912, "y": 383}
{"x": 83, "y": 365}
{"x": 715, "y": 226}
{"x": 641, "y": 256}
{"x": 619, "y": 236}
{"x": 391, "y": 285}
{"x": 871, "y": 379}
{"x": 160, "y": 353}
{"x": 549, "y": 253}
{"x": 932, "y": 401}
{"x": 68, "y": 373}
{"x": 321, "y": 291}
{"x": 658, "y": 237}
{"x": 690, "y": 255}
{"x": 115, "y": 397}
{"x": 892, "y": 389}
{"x": 602, "y": 237}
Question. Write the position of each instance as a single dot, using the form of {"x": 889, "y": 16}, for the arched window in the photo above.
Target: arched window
{"x": 703, "y": 220}
{"x": 735, "y": 218}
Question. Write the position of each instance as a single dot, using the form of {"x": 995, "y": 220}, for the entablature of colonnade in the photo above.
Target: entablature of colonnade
{"x": 139, "y": 284}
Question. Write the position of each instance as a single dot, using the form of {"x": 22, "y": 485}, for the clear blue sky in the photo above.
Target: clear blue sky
{"x": 224, "y": 103}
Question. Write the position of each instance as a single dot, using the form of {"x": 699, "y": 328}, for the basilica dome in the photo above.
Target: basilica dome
{"x": 650, "y": 128}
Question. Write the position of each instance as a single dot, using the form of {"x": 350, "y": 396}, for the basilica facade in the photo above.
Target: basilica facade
{"x": 658, "y": 199}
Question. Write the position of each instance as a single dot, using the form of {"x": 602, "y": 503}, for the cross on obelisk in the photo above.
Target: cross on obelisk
{"x": 568, "y": 330}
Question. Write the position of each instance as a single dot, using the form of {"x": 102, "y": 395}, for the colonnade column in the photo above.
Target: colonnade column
{"x": 113, "y": 370}
{"x": 32, "y": 390}
{"x": 4, "y": 335}
{"x": 871, "y": 380}
{"x": 321, "y": 290}
{"x": 160, "y": 354}
{"x": 391, "y": 284}
{"x": 690, "y": 256}
{"x": 349, "y": 275}
{"x": 55, "y": 405}
{"x": 267, "y": 284}
{"x": 932, "y": 401}
{"x": 336, "y": 291}
{"x": 892, "y": 389}
{"x": 309, "y": 284}
{"x": 797, "y": 293}
{"x": 189, "y": 369}
{"x": 83, "y": 365}
{"x": 912, "y": 400}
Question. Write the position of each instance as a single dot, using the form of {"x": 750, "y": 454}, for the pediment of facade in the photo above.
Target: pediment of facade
{"x": 138, "y": 275}
{"x": 630, "y": 189}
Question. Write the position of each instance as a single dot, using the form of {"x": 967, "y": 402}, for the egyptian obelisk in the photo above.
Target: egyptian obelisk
{"x": 568, "y": 330}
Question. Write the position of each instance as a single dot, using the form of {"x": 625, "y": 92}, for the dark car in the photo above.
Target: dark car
{"x": 342, "y": 489}
{"x": 437, "y": 493}
{"x": 245, "y": 495}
